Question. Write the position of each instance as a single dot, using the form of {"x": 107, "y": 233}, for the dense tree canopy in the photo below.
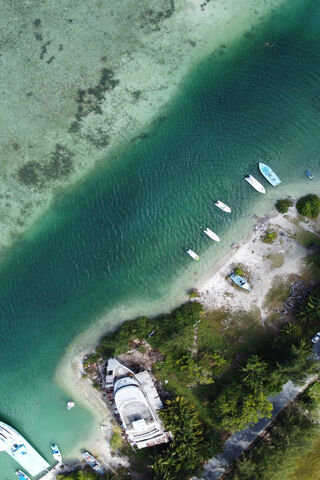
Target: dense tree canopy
{"x": 309, "y": 205}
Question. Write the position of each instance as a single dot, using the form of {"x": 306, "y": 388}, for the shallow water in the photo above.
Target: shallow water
{"x": 119, "y": 237}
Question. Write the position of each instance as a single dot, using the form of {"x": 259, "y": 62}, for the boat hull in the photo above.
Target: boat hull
{"x": 211, "y": 235}
{"x": 193, "y": 255}
{"x": 240, "y": 281}
{"x": 255, "y": 184}
{"x": 269, "y": 174}
{"x": 223, "y": 206}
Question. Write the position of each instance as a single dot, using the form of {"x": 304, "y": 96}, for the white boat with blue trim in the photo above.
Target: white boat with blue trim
{"x": 269, "y": 174}
{"x": 240, "y": 281}
{"x": 21, "y": 475}
{"x": 56, "y": 453}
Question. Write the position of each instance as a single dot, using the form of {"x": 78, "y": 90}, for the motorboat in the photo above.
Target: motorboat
{"x": 211, "y": 235}
{"x": 93, "y": 462}
{"x": 56, "y": 453}
{"x": 193, "y": 255}
{"x": 255, "y": 184}
{"x": 70, "y": 404}
{"x": 269, "y": 174}
{"x": 309, "y": 174}
{"x": 240, "y": 281}
{"x": 222, "y": 206}
{"x": 21, "y": 475}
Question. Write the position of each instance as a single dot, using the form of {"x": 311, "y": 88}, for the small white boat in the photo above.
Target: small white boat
{"x": 70, "y": 404}
{"x": 21, "y": 475}
{"x": 56, "y": 453}
{"x": 222, "y": 206}
{"x": 211, "y": 235}
{"x": 193, "y": 255}
{"x": 255, "y": 184}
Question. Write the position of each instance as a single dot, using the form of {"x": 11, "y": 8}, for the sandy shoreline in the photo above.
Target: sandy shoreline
{"x": 265, "y": 263}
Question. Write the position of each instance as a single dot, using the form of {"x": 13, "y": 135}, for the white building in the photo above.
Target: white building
{"x": 136, "y": 400}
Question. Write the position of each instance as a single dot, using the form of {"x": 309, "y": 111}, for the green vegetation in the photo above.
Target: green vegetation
{"x": 219, "y": 371}
{"x": 283, "y": 205}
{"x": 193, "y": 293}
{"x": 309, "y": 205}
{"x": 269, "y": 237}
{"x": 292, "y": 436}
{"x": 87, "y": 475}
{"x": 239, "y": 271}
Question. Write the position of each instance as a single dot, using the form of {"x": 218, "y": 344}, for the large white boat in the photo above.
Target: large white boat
{"x": 255, "y": 184}
{"x": 222, "y": 206}
{"x": 211, "y": 235}
{"x": 193, "y": 255}
{"x": 56, "y": 453}
{"x": 21, "y": 451}
{"x": 135, "y": 401}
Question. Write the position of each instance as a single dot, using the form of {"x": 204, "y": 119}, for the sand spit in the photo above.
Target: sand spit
{"x": 79, "y": 78}
{"x": 264, "y": 263}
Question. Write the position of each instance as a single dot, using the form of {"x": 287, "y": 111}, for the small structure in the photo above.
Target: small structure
{"x": 135, "y": 401}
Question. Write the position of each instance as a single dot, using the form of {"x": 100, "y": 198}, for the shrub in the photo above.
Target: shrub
{"x": 283, "y": 205}
{"x": 269, "y": 237}
{"x": 238, "y": 271}
{"x": 193, "y": 293}
{"x": 309, "y": 205}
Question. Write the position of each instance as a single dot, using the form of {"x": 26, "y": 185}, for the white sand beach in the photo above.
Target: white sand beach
{"x": 265, "y": 263}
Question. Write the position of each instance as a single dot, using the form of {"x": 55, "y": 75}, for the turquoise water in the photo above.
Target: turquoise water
{"x": 119, "y": 237}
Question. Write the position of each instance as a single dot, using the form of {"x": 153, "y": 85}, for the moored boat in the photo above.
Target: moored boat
{"x": 211, "y": 235}
{"x": 222, "y": 206}
{"x": 193, "y": 255}
{"x": 309, "y": 174}
{"x": 56, "y": 453}
{"x": 93, "y": 462}
{"x": 240, "y": 281}
{"x": 269, "y": 174}
{"x": 21, "y": 475}
{"x": 255, "y": 184}
{"x": 70, "y": 404}
{"x": 21, "y": 451}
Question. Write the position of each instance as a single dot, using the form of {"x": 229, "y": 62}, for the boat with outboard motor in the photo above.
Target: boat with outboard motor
{"x": 269, "y": 174}
{"x": 21, "y": 475}
{"x": 309, "y": 174}
{"x": 193, "y": 255}
{"x": 211, "y": 235}
{"x": 240, "y": 281}
{"x": 56, "y": 453}
{"x": 222, "y": 206}
{"x": 255, "y": 184}
{"x": 93, "y": 462}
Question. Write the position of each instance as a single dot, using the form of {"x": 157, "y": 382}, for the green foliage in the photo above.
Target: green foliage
{"x": 188, "y": 448}
{"x": 290, "y": 438}
{"x": 309, "y": 205}
{"x": 283, "y": 205}
{"x": 193, "y": 293}
{"x": 309, "y": 309}
{"x": 86, "y": 475}
{"x": 239, "y": 271}
{"x": 116, "y": 440}
{"x": 269, "y": 237}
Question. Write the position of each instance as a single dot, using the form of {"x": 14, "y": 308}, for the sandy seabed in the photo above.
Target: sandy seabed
{"x": 81, "y": 78}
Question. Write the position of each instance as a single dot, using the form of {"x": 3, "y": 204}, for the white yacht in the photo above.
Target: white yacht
{"x": 193, "y": 255}
{"x": 136, "y": 401}
{"x": 211, "y": 235}
{"x": 21, "y": 451}
{"x": 222, "y": 206}
{"x": 255, "y": 184}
